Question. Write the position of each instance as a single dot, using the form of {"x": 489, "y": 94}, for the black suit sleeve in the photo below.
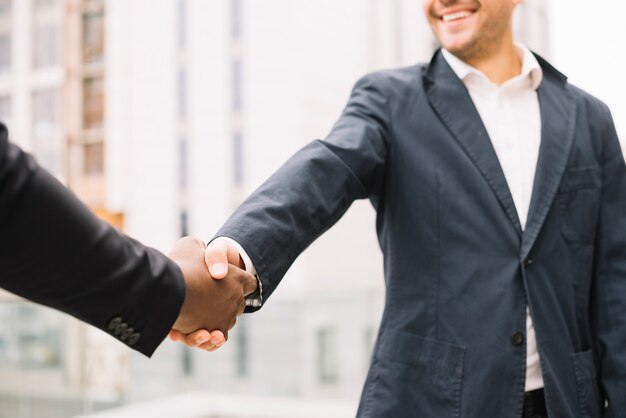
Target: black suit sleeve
{"x": 315, "y": 187}
{"x": 54, "y": 251}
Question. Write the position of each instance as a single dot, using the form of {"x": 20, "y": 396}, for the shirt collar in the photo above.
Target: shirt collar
{"x": 530, "y": 66}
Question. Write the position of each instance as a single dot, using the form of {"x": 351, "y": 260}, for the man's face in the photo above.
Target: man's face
{"x": 470, "y": 28}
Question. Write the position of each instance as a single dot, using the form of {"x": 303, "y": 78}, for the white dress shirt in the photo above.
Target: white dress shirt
{"x": 510, "y": 113}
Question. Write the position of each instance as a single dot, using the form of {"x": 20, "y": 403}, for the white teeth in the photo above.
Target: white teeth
{"x": 455, "y": 16}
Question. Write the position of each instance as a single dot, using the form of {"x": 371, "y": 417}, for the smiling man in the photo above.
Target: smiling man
{"x": 500, "y": 192}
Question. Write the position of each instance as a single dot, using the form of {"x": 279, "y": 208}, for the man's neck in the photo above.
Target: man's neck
{"x": 499, "y": 65}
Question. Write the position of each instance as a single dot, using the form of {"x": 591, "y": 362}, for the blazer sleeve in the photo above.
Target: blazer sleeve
{"x": 609, "y": 291}
{"x": 315, "y": 187}
{"x": 55, "y": 252}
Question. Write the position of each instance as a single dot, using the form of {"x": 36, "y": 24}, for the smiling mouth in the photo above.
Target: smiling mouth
{"x": 451, "y": 17}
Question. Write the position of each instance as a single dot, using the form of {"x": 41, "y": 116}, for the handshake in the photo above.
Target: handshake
{"x": 216, "y": 287}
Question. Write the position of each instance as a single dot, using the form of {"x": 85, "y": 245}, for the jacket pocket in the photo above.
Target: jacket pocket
{"x": 579, "y": 203}
{"x": 413, "y": 376}
{"x": 589, "y": 399}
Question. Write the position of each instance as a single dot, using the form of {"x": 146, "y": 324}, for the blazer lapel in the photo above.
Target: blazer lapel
{"x": 558, "y": 118}
{"x": 451, "y": 101}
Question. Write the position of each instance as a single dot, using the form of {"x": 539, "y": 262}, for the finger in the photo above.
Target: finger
{"x": 242, "y": 307}
{"x": 210, "y": 350}
{"x": 196, "y": 338}
{"x": 174, "y": 335}
{"x": 216, "y": 341}
{"x": 216, "y": 347}
{"x": 186, "y": 245}
{"x": 218, "y": 255}
{"x": 250, "y": 284}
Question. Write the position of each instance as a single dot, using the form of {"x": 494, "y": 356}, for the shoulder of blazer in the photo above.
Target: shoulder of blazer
{"x": 549, "y": 70}
{"x": 590, "y": 103}
{"x": 397, "y": 80}
{"x": 398, "y": 85}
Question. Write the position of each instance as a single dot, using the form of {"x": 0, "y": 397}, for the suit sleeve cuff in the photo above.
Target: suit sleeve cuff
{"x": 254, "y": 300}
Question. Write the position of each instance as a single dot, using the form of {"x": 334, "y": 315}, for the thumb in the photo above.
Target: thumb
{"x": 218, "y": 255}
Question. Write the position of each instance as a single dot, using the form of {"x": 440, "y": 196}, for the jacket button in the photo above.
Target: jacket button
{"x": 527, "y": 262}
{"x": 517, "y": 338}
{"x": 114, "y": 323}
{"x": 133, "y": 339}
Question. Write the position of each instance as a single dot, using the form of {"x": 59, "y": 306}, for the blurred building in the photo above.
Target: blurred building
{"x": 163, "y": 115}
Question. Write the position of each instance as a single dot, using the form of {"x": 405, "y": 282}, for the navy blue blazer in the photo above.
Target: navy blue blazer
{"x": 459, "y": 271}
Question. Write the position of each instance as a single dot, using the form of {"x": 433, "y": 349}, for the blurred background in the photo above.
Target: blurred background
{"x": 162, "y": 115}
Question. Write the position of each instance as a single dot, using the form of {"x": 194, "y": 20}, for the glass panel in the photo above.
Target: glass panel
{"x": 93, "y": 34}
{"x": 93, "y": 103}
{"x": 39, "y": 5}
{"x": 5, "y": 52}
{"x": 94, "y": 158}
{"x": 46, "y": 45}
{"x": 236, "y": 18}
{"x": 183, "y": 162}
{"x": 182, "y": 93}
{"x": 5, "y": 111}
{"x": 30, "y": 337}
{"x": 238, "y": 158}
{"x": 182, "y": 24}
{"x": 327, "y": 364}
{"x": 47, "y": 130}
{"x": 5, "y": 8}
{"x": 237, "y": 85}
{"x": 184, "y": 223}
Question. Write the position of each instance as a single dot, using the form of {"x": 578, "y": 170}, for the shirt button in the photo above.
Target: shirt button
{"x": 517, "y": 338}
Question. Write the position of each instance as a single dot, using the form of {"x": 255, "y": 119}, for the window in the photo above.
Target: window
{"x": 5, "y": 52}
{"x": 327, "y": 361}
{"x": 31, "y": 337}
{"x": 47, "y": 130}
{"x": 93, "y": 32}
{"x": 243, "y": 357}
{"x": 46, "y": 45}
{"x": 182, "y": 24}
{"x": 5, "y": 110}
{"x": 184, "y": 223}
{"x": 187, "y": 361}
{"x": 41, "y": 5}
{"x": 93, "y": 158}
{"x": 237, "y": 85}
{"x": 5, "y": 8}
{"x": 46, "y": 112}
{"x": 182, "y": 94}
{"x": 236, "y": 19}
{"x": 46, "y": 33}
{"x": 93, "y": 103}
{"x": 238, "y": 158}
{"x": 369, "y": 342}
{"x": 183, "y": 161}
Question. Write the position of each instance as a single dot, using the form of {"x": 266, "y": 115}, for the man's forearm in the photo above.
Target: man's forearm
{"x": 54, "y": 251}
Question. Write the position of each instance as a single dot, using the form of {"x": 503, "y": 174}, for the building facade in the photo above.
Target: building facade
{"x": 163, "y": 115}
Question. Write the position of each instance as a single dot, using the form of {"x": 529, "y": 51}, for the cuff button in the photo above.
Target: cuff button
{"x": 133, "y": 339}
{"x": 114, "y": 323}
